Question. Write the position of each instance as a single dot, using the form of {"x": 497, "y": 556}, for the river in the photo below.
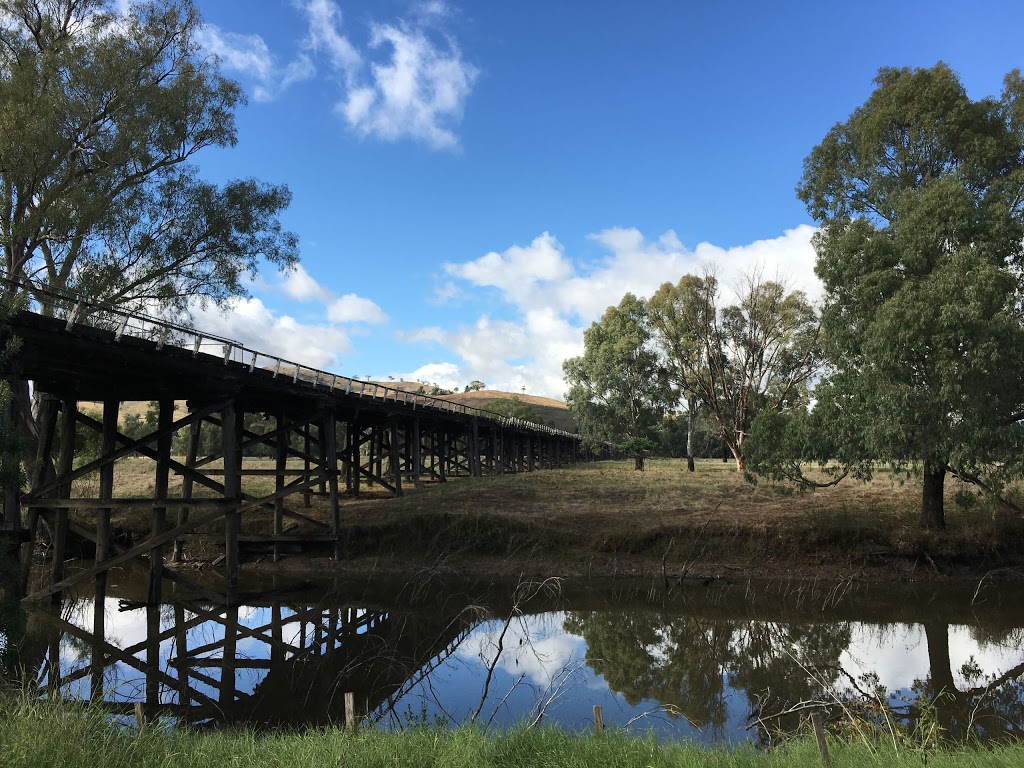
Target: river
{"x": 711, "y": 663}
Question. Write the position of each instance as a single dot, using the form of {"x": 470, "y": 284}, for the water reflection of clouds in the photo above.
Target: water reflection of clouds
{"x": 898, "y": 653}
{"x": 534, "y": 645}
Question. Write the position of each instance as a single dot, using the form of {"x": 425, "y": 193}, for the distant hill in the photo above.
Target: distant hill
{"x": 552, "y": 412}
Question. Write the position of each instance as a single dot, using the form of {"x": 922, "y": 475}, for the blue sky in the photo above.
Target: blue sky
{"x": 473, "y": 183}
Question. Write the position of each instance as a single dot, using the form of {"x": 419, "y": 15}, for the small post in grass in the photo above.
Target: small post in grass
{"x": 598, "y": 720}
{"x": 350, "y": 712}
{"x": 819, "y": 735}
{"x": 140, "y": 718}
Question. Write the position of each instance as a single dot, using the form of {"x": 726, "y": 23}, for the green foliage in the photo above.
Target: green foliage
{"x": 618, "y": 390}
{"x": 738, "y": 360}
{"x": 102, "y": 116}
{"x": 920, "y": 250}
{"x": 513, "y": 408}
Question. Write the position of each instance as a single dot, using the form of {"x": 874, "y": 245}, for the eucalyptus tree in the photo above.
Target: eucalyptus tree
{"x": 738, "y": 360}
{"x": 920, "y": 199}
{"x": 618, "y": 391}
{"x": 103, "y": 113}
{"x": 675, "y": 313}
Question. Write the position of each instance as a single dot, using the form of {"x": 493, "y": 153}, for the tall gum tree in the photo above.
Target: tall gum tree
{"x": 742, "y": 359}
{"x": 103, "y": 112}
{"x": 618, "y": 391}
{"x": 675, "y": 314}
{"x": 919, "y": 196}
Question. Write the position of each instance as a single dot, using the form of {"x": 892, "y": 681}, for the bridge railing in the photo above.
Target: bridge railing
{"x": 135, "y": 323}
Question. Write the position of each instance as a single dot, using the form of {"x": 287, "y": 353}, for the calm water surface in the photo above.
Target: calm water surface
{"x": 688, "y": 663}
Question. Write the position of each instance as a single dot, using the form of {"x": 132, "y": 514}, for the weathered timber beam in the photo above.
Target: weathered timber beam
{"x": 148, "y": 544}
{"x": 203, "y": 480}
{"x": 131, "y": 446}
{"x": 124, "y": 557}
{"x": 256, "y": 439}
{"x": 55, "y": 503}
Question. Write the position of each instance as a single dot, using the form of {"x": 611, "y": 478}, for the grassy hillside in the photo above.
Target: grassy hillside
{"x": 554, "y": 413}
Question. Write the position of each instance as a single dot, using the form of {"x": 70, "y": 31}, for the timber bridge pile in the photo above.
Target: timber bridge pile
{"x": 330, "y": 436}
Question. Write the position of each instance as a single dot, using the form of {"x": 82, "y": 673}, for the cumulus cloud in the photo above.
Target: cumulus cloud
{"x": 252, "y": 323}
{"x": 553, "y": 298}
{"x": 249, "y": 57}
{"x": 300, "y": 285}
{"x": 517, "y": 271}
{"x": 324, "y": 17}
{"x": 408, "y": 81}
{"x": 355, "y": 309}
{"x": 445, "y": 375}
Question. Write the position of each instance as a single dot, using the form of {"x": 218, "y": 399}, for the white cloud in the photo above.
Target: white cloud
{"x": 300, "y": 285}
{"x": 446, "y": 292}
{"x": 248, "y": 56}
{"x": 518, "y": 270}
{"x": 417, "y": 93}
{"x": 324, "y": 19}
{"x": 409, "y": 82}
{"x": 355, "y": 309}
{"x": 252, "y": 323}
{"x": 553, "y": 299}
{"x": 417, "y": 89}
{"x": 445, "y": 375}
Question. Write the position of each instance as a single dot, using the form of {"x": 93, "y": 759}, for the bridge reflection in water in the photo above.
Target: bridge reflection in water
{"x": 263, "y": 665}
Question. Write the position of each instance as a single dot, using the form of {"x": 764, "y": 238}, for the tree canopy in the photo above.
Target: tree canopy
{"x": 920, "y": 200}
{"x": 618, "y": 391}
{"x": 739, "y": 360}
{"x": 103, "y": 112}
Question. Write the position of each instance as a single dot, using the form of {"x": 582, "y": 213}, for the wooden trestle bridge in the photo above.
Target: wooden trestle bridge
{"x": 331, "y": 436}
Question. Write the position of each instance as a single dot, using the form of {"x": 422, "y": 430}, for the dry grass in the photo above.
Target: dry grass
{"x": 708, "y": 522}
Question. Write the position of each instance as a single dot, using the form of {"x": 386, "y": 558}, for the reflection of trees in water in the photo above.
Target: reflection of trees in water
{"x": 683, "y": 662}
{"x": 675, "y": 660}
{"x": 989, "y": 705}
{"x": 778, "y": 665}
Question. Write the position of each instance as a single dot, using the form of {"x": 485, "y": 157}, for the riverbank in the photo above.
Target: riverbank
{"x": 607, "y": 520}
{"x": 66, "y": 734}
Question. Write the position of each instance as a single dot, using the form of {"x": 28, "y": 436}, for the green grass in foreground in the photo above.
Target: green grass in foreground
{"x": 43, "y": 734}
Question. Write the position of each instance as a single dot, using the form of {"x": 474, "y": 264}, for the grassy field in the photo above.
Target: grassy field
{"x": 59, "y": 734}
{"x": 606, "y": 518}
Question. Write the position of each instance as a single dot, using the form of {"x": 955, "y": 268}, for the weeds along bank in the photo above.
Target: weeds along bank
{"x": 62, "y": 734}
{"x": 607, "y": 519}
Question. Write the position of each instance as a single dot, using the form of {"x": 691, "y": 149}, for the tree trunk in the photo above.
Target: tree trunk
{"x": 932, "y": 511}
{"x": 691, "y": 406}
{"x": 941, "y": 687}
{"x": 638, "y": 462}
